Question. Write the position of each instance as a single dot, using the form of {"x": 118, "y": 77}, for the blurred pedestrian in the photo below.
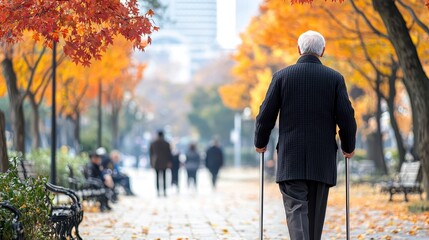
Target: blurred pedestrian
{"x": 214, "y": 160}
{"x": 175, "y": 166}
{"x": 160, "y": 159}
{"x": 312, "y": 100}
{"x": 120, "y": 178}
{"x": 192, "y": 164}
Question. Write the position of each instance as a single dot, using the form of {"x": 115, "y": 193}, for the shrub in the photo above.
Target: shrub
{"x": 31, "y": 198}
{"x": 42, "y": 163}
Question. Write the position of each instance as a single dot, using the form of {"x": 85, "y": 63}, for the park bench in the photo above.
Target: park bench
{"x": 64, "y": 217}
{"x": 17, "y": 229}
{"x": 26, "y": 169}
{"x": 90, "y": 189}
{"x": 407, "y": 182}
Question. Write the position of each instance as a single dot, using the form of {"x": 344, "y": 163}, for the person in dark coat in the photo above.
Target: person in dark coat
{"x": 311, "y": 100}
{"x": 192, "y": 164}
{"x": 160, "y": 158}
{"x": 175, "y": 166}
{"x": 214, "y": 160}
{"x": 94, "y": 169}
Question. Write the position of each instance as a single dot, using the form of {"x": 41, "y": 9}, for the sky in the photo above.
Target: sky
{"x": 233, "y": 17}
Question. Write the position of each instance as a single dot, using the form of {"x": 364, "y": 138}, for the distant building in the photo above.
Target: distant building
{"x": 193, "y": 33}
{"x": 195, "y": 21}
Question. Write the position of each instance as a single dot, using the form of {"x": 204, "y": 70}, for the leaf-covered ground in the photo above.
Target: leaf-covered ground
{"x": 232, "y": 212}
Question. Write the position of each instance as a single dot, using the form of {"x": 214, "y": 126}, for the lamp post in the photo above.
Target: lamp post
{"x": 54, "y": 120}
{"x": 236, "y": 137}
{"x": 237, "y": 140}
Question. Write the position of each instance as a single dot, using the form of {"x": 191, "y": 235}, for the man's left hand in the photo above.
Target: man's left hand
{"x": 261, "y": 150}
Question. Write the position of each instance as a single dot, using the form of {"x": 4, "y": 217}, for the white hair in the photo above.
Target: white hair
{"x": 311, "y": 42}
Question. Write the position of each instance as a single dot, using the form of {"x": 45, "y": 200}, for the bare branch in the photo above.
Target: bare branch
{"x": 414, "y": 15}
{"x": 367, "y": 21}
{"x": 361, "y": 72}
{"x": 33, "y": 70}
{"x": 365, "y": 50}
{"x": 336, "y": 20}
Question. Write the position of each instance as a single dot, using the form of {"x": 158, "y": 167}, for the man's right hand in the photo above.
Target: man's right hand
{"x": 261, "y": 150}
{"x": 349, "y": 155}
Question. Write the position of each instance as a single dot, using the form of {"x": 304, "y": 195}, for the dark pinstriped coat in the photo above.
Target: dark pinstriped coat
{"x": 312, "y": 100}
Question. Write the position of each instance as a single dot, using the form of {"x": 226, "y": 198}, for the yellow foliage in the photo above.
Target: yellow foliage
{"x": 258, "y": 93}
{"x": 270, "y": 43}
{"x": 233, "y": 95}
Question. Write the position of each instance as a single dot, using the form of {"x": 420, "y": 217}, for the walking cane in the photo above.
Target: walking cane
{"x": 261, "y": 198}
{"x": 347, "y": 200}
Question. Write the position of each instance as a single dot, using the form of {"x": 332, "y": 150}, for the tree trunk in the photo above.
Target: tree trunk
{"x": 398, "y": 137}
{"x": 397, "y": 132}
{"x": 99, "y": 117}
{"x": 379, "y": 155}
{"x": 16, "y": 101}
{"x": 414, "y": 75}
{"x": 35, "y": 130}
{"x": 4, "y": 160}
{"x": 115, "y": 126}
{"x": 77, "y": 132}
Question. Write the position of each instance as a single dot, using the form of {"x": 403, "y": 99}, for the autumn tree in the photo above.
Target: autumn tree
{"x": 87, "y": 27}
{"x": 34, "y": 72}
{"x": 344, "y": 46}
{"x": 209, "y": 116}
{"x": 124, "y": 76}
{"x": 415, "y": 78}
{"x": 73, "y": 98}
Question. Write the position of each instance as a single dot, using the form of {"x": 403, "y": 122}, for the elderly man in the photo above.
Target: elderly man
{"x": 312, "y": 101}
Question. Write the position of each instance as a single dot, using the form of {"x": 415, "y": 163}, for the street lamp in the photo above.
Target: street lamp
{"x": 236, "y": 134}
{"x": 54, "y": 120}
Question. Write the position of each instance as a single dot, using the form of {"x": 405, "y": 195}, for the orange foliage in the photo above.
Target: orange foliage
{"x": 87, "y": 27}
{"x": 270, "y": 41}
{"x": 78, "y": 85}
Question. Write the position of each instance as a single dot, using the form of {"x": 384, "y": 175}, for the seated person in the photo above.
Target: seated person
{"x": 119, "y": 177}
{"x": 94, "y": 170}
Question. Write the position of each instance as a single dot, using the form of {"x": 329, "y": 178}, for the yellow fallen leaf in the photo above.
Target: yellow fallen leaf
{"x": 145, "y": 230}
{"x": 225, "y": 231}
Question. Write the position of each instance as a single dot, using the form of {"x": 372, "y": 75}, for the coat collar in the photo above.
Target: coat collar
{"x": 309, "y": 59}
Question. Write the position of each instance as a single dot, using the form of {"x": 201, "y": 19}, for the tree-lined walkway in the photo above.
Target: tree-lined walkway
{"x": 231, "y": 212}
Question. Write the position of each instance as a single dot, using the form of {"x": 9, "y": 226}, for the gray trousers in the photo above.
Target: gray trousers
{"x": 305, "y": 206}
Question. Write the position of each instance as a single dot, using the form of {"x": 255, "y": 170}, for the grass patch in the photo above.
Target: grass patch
{"x": 419, "y": 207}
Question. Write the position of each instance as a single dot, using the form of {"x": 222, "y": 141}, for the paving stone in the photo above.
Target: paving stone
{"x": 230, "y": 212}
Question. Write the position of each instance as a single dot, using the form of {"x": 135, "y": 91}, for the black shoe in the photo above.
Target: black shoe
{"x": 130, "y": 193}
{"x": 105, "y": 208}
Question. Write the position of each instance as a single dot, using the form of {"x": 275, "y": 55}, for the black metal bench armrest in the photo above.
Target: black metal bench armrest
{"x": 58, "y": 189}
{"x": 17, "y": 227}
{"x": 8, "y": 206}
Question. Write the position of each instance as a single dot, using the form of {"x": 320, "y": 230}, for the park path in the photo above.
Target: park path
{"x": 229, "y": 212}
